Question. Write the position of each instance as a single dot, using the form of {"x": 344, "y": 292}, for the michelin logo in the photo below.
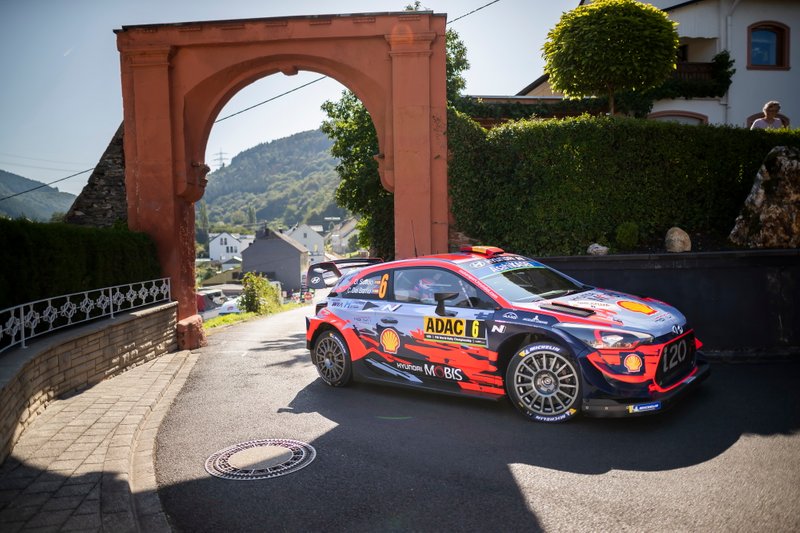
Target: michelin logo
{"x": 644, "y": 407}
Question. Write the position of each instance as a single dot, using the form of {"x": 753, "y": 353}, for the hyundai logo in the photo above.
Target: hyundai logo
{"x": 677, "y": 329}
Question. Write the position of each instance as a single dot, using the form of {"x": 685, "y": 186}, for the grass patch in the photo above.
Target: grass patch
{"x": 227, "y": 320}
{"x": 235, "y": 318}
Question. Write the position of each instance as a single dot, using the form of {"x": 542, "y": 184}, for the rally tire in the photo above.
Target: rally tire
{"x": 543, "y": 381}
{"x": 332, "y": 359}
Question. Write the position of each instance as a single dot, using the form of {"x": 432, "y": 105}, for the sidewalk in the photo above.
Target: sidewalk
{"x": 86, "y": 463}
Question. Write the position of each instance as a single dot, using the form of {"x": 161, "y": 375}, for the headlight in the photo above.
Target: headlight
{"x": 606, "y": 338}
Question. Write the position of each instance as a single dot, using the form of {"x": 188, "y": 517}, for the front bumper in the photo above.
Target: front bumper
{"x": 610, "y": 407}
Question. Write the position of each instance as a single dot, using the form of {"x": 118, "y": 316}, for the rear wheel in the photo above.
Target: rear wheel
{"x": 332, "y": 359}
{"x": 543, "y": 381}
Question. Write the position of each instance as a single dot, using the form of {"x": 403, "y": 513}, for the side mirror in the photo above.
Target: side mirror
{"x": 440, "y": 298}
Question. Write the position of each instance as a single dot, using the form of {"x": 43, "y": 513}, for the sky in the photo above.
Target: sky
{"x": 60, "y": 92}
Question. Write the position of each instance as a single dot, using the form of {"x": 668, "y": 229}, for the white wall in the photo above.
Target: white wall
{"x": 752, "y": 88}
{"x": 313, "y": 242}
{"x": 217, "y": 251}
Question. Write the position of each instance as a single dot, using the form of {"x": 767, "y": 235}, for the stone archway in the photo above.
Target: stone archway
{"x": 177, "y": 77}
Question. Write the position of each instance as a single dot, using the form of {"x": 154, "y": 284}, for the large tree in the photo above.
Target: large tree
{"x": 355, "y": 143}
{"x": 610, "y": 46}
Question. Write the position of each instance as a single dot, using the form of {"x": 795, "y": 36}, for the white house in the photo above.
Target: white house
{"x": 341, "y": 234}
{"x": 758, "y": 35}
{"x": 313, "y": 241}
{"x": 761, "y": 36}
{"x": 223, "y": 246}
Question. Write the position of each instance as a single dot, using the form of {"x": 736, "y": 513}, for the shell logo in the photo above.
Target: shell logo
{"x": 390, "y": 341}
{"x": 636, "y": 307}
{"x": 633, "y": 363}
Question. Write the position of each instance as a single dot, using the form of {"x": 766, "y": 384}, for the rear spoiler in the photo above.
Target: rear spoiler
{"x": 326, "y": 274}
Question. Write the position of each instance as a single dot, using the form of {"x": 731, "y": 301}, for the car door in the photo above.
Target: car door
{"x": 442, "y": 345}
{"x": 358, "y": 304}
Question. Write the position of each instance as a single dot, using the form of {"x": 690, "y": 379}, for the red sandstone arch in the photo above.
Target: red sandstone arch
{"x": 177, "y": 77}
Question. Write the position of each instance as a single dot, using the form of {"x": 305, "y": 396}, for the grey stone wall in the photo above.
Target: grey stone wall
{"x": 103, "y": 202}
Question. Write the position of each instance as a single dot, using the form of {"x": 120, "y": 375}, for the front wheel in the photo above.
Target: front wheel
{"x": 332, "y": 359}
{"x": 543, "y": 381}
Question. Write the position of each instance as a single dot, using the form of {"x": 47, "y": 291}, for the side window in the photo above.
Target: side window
{"x": 418, "y": 285}
{"x": 375, "y": 286}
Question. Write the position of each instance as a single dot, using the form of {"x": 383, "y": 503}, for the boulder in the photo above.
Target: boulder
{"x": 597, "y": 249}
{"x": 770, "y": 217}
{"x": 677, "y": 240}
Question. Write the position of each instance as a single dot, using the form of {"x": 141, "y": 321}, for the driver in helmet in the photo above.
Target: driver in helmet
{"x": 424, "y": 290}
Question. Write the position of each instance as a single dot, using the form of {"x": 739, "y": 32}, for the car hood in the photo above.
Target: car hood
{"x": 615, "y": 309}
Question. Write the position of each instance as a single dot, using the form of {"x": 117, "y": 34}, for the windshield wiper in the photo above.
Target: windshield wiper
{"x": 560, "y": 292}
{"x": 574, "y": 291}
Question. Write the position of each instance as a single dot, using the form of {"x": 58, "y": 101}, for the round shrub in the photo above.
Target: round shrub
{"x": 627, "y": 235}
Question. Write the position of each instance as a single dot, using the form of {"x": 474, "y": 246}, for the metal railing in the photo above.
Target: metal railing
{"x": 694, "y": 71}
{"x": 23, "y": 322}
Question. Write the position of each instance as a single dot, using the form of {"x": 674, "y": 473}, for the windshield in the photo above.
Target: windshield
{"x": 531, "y": 284}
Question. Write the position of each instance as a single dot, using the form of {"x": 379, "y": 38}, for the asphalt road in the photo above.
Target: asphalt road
{"x": 725, "y": 459}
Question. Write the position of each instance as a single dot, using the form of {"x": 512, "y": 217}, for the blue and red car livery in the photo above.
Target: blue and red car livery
{"x": 482, "y": 322}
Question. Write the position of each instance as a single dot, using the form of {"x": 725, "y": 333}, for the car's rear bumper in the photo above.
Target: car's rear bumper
{"x": 611, "y": 407}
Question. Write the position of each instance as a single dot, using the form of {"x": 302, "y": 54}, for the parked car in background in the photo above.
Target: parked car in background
{"x": 210, "y": 298}
{"x": 230, "y": 306}
{"x": 491, "y": 324}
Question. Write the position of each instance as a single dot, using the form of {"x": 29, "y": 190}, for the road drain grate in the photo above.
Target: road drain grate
{"x": 260, "y": 459}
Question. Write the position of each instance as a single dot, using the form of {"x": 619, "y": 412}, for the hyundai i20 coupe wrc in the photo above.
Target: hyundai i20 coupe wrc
{"x": 485, "y": 323}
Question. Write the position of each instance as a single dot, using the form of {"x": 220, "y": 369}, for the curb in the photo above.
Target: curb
{"x": 145, "y": 502}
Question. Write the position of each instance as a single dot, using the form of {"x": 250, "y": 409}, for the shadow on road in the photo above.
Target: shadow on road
{"x": 738, "y": 399}
{"x": 400, "y": 460}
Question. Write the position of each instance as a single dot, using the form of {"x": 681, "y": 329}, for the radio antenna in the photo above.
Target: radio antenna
{"x": 414, "y": 238}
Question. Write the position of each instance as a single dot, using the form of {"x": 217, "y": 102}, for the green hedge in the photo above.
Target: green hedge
{"x": 552, "y": 187}
{"x": 44, "y": 260}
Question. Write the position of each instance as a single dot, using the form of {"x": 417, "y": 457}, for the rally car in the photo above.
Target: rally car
{"x": 485, "y": 323}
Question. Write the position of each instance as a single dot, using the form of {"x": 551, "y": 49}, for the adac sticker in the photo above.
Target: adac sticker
{"x": 455, "y": 330}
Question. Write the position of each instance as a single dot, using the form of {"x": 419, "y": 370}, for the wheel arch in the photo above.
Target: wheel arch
{"x": 322, "y": 328}
{"x": 515, "y": 342}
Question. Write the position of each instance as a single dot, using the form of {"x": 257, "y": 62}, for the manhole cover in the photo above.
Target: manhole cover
{"x": 260, "y": 459}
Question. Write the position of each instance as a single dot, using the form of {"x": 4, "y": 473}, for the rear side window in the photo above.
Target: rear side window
{"x": 374, "y": 286}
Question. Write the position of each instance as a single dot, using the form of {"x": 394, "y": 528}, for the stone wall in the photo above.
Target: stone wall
{"x": 742, "y": 304}
{"x": 73, "y": 360}
{"x": 103, "y": 202}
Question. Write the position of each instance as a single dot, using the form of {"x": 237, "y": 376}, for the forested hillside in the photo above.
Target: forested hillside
{"x": 36, "y": 205}
{"x": 283, "y": 182}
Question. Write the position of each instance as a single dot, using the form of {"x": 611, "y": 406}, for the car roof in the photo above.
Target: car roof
{"x": 477, "y": 261}
{"x": 467, "y": 259}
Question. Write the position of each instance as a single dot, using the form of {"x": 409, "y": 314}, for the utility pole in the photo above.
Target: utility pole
{"x": 220, "y": 159}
